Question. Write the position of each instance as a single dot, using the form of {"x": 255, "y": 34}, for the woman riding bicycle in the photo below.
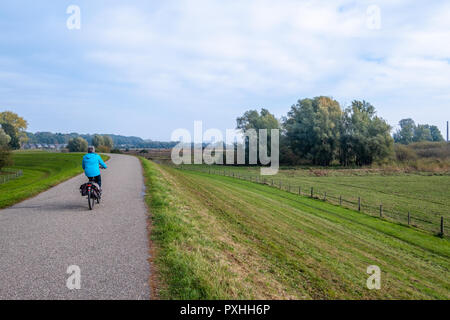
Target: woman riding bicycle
{"x": 91, "y": 165}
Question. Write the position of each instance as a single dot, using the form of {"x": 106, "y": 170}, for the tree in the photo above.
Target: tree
{"x": 365, "y": 138}
{"x": 4, "y": 139}
{"x": 102, "y": 143}
{"x": 108, "y": 142}
{"x": 405, "y": 134}
{"x": 98, "y": 141}
{"x": 14, "y": 126}
{"x": 436, "y": 134}
{"x": 422, "y": 133}
{"x": 313, "y": 129}
{"x": 77, "y": 145}
{"x": 14, "y": 142}
{"x": 5, "y": 155}
{"x": 409, "y": 132}
{"x": 253, "y": 119}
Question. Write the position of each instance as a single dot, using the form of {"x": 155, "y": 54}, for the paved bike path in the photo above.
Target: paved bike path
{"x": 41, "y": 237}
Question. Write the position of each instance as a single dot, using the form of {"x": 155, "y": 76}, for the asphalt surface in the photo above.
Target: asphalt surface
{"x": 41, "y": 237}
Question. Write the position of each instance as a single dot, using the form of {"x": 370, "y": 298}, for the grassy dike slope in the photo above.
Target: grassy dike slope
{"x": 424, "y": 196}
{"x": 223, "y": 238}
{"x": 41, "y": 170}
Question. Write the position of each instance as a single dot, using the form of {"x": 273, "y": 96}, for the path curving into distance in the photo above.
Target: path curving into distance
{"x": 41, "y": 237}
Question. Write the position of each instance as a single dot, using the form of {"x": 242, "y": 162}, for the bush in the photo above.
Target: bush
{"x": 404, "y": 153}
{"x": 438, "y": 150}
{"x": 5, "y": 158}
{"x": 103, "y": 149}
{"x": 431, "y": 165}
{"x": 118, "y": 151}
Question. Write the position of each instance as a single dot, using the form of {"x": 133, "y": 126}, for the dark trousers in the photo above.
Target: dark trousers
{"x": 97, "y": 180}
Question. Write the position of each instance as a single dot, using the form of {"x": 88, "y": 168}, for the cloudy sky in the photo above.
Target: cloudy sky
{"x": 146, "y": 68}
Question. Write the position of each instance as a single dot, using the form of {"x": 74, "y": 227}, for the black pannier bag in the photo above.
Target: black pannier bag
{"x": 84, "y": 189}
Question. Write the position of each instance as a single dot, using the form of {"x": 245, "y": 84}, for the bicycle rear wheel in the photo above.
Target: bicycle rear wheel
{"x": 91, "y": 199}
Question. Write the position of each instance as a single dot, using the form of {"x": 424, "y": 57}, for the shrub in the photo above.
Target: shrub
{"x": 103, "y": 149}
{"x": 404, "y": 153}
{"x": 5, "y": 158}
{"x": 439, "y": 150}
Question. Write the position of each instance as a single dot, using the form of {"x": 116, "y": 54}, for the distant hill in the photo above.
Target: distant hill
{"x": 119, "y": 141}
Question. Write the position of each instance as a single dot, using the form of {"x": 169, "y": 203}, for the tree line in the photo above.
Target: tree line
{"x": 102, "y": 143}
{"x": 409, "y": 132}
{"x": 319, "y": 131}
{"x": 118, "y": 140}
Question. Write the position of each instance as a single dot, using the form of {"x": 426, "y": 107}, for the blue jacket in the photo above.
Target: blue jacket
{"x": 91, "y": 163}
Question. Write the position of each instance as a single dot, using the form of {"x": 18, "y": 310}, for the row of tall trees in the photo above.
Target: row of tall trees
{"x": 119, "y": 140}
{"x": 320, "y": 131}
{"x": 409, "y": 132}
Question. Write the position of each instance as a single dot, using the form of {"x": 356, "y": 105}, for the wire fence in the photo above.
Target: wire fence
{"x": 9, "y": 174}
{"x": 431, "y": 222}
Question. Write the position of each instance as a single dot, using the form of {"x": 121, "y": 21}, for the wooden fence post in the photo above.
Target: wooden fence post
{"x": 272, "y": 182}
{"x": 280, "y": 185}
{"x": 312, "y": 192}
{"x": 299, "y": 191}
{"x": 359, "y": 203}
{"x": 340, "y": 200}
{"x": 325, "y": 197}
{"x": 381, "y": 210}
{"x": 442, "y": 226}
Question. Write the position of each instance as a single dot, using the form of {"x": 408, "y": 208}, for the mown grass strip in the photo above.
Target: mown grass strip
{"x": 424, "y": 197}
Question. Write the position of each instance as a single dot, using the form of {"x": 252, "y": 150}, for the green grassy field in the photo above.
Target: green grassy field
{"x": 223, "y": 238}
{"x": 41, "y": 170}
{"x": 426, "y": 197}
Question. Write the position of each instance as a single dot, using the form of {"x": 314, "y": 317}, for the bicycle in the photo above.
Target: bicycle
{"x": 92, "y": 192}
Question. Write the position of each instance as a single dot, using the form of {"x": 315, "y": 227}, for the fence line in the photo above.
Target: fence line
{"x": 438, "y": 226}
{"x": 8, "y": 177}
